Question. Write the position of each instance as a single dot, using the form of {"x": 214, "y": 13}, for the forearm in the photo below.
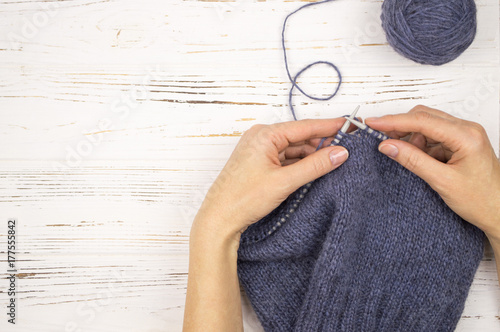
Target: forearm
{"x": 213, "y": 301}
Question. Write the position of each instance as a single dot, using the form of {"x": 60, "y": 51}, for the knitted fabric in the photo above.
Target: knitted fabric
{"x": 367, "y": 247}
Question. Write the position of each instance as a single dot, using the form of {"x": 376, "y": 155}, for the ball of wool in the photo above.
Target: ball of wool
{"x": 429, "y": 31}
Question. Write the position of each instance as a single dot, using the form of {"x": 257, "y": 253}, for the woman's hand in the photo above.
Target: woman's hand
{"x": 271, "y": 162}
{"x": 453, "y": 156}
{"x": 268, "y": 164}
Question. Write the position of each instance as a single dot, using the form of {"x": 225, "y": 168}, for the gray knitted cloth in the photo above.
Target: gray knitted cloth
{"x": 367, "y": 247}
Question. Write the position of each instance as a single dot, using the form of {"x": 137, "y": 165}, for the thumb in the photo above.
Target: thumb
{"x": 415, "y": 160}
{"x": 314, "y": 166}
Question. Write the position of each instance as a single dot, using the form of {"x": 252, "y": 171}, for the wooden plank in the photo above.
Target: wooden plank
{"x": 116, "y": 116}
{"x": 76, "y": 239}
{"x": 174, "y": 116}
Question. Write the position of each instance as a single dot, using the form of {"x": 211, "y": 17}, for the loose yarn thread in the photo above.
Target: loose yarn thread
{"x": 426, "y": 31}
{"x": 294, "y": 80}
{"x": 430, "y": 32}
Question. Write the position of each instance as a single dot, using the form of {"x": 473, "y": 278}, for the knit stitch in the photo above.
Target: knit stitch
{"x": 367, "y": 247}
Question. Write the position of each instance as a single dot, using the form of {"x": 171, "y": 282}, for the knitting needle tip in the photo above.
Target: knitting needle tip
{"x": 347, "y": 123}
{"x": 357, "y": 123}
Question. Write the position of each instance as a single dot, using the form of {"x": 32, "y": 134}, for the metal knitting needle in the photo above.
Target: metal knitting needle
{"x": 345, "y": 127}
{"x": 347, "y": 122}
{"x": 360, "y": 125}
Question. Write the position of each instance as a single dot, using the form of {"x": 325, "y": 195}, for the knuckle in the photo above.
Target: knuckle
{"x": 319, "y": 166}
{"x": 254, "y": 136}
{"x": 279, "y": 125}
{"x": 276, "y": 129}
{"x": 418, "y": 108}
{"x": 254, "y": 129}
{"x": 477, "y": 131}
{"x": 476, "y": 136}
{"x": 304, "y": 151}
{"x": 262, "y": 132}
{"x": 422, "y": 116}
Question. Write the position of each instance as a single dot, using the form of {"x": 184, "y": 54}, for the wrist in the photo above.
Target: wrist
{"x": 494, "y": 240}
{"x": 209, "y": 233}
{"x": 493, "y": 231}
{"x": 493, "y": 234}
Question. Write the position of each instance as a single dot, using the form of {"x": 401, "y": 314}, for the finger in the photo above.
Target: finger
{"x": 312, "y": 167}
{"x": 298, "y": 151}
{"x": 431, "y": 141}
{"x": 434, "y": 127}
{"x": 281, "y": 156}
{"x": 296, "y": 131}
{"x": 396, "y": 134}
{"x": 353, "y": 127}
{"x": 418, "y": 140}
{"x": 433, "y": 111}
{"x": 287, "y": 162}
{"x": 328, "y": 140}
{"x": 298, "y": 143}
{"x": 408, "y": 136}
{"x": 437, "y": 152}
{"x": 415, "y": 160}
{"x": 314, "y": 142}
{"x": 420, "y": 108}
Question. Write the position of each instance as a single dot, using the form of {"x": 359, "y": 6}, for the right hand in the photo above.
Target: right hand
{"x": 453, "y": 156}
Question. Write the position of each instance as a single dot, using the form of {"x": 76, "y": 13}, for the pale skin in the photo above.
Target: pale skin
{"x": 270, "y": 162}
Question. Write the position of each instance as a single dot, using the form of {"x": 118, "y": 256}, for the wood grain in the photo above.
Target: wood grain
{"x": 116, "y": 117}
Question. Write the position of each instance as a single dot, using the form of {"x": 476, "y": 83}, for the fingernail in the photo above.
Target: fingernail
{"x": 389, "y": 150}
{"x": 372, "y": 119}
{"x": 338, "y": 156}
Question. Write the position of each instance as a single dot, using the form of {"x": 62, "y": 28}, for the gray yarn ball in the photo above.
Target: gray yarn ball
{"x": 429, "y": 31}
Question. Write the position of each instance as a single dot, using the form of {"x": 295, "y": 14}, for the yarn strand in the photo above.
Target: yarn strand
{"x": 294, "y": 79}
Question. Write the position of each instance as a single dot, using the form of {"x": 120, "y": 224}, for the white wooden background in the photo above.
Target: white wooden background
{"x": 116, "y": 116}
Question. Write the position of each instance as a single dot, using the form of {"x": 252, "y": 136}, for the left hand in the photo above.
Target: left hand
{"x": 268, "y": 164}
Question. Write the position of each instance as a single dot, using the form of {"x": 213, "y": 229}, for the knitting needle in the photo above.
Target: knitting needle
{"x": 345, "y": 127}
{"x": 347, "y": 122}
{"x": 362, "y": 126}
